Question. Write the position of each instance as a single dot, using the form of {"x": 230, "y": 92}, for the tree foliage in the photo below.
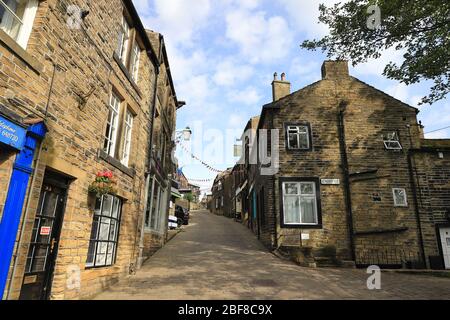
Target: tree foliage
{"x": 419, "y": 28}
{"x": 189, "y": 197}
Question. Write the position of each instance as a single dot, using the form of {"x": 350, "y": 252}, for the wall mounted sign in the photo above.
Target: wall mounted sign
{"x": 331, "y": 182}
{"x": 305, "y": 236}
{"x": 45, "y": 231}
{"x": 12, "y": 134}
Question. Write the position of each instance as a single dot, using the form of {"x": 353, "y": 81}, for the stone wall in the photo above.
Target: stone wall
{"x": 76, "y": 130}
{"x": 369, "y": 114}
{"x": 432, "y": 177}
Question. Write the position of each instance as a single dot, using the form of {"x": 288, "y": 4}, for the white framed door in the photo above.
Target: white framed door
{"x": 445, "y": 240}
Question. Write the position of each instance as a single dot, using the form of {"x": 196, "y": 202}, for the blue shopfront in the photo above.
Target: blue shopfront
{"x": 20, "y": 141}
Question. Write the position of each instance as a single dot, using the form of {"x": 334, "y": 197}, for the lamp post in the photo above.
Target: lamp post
{"x": 185, "y": 134}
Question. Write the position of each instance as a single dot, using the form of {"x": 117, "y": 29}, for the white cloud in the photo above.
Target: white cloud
{"x": 247, "y": 96}
{"x": 304, "y": 16}
{"x": 260, "y": 38}
{"x": 237, "y": 121}
{"x": 178, "y": 20}
{"x": 229, "y": 73}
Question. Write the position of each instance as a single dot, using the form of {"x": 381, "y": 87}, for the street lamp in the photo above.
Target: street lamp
{"x": 185, "y": 134}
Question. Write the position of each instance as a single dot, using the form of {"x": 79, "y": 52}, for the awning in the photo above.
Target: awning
{"x": 175, "y": 193}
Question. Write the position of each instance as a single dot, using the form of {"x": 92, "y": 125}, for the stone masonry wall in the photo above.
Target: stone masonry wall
{"x": 76, "y": 132}
{"x": 370, "y": 114}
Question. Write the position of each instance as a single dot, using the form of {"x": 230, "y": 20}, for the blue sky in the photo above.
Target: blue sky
{"x": 223, "y": 54}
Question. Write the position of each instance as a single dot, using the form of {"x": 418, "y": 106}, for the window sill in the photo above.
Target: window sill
{"x": 127, "y": 74}
{"x": 17, "y": 50}
{"x": 301, "y": 226}
{"x": 116, "y": 163}
{"x": 153, "y": 232}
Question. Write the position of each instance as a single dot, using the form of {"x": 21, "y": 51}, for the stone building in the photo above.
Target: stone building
{"x": 430, "y": 167}
{"x": 345, "y": 189}
{"x": 222, "y": 197}
{"x": 77, "y": 97}
{"x": 163, "y": 169}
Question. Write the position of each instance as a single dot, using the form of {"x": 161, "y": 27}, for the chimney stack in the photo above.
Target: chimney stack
{"x": 333, "y": 70}
{"x": 280, "y": 88}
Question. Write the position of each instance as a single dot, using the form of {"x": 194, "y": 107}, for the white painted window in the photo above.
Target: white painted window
{"x": 112, "y": 126}
{"x": 400, "y": 197}
{"x": 134, "y": 61}
{"x": 124, "y": 38}
{"x": 392, "y": 141}
{"x": 128, "y": 128}
{"x": 300, "y": 203}
{"x": 298, "y": 137}
{"x": 105, "y": 232}
{"x": 16, "y": 19}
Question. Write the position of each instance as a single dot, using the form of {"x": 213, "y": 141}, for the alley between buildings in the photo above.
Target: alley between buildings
{"x": 216, "y": 258}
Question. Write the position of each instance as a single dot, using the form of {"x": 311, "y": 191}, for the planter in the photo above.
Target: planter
{"x": 103, "y": 184}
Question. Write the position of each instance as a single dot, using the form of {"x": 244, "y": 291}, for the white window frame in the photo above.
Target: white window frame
{"x": 134, "y": 61}
{"x": 113, "y": 123}
{"x": 392, "y": 142}
{"x": 396, "y": 204}
{"x": 124, "y": 39}
{"x": 26, "y": 22}
{"x": 112, "y": 218}
{"x": 296, "y": 130}
{"x": 128, "y": 129}
{"x": 301, "y": 196}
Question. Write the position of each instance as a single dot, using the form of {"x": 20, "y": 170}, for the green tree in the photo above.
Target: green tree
{"x": 363, "y": 29}
{"x": 189, "y": 197}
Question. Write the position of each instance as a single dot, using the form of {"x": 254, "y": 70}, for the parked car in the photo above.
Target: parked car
{"x": 182, "y": 215}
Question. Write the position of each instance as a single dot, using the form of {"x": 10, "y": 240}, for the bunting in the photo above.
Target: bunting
{"x": 207, "y": 166}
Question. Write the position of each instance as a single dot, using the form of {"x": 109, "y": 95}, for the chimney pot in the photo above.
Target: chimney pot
{"x": 275, "y": 76}
{"x": 280, "y": 89}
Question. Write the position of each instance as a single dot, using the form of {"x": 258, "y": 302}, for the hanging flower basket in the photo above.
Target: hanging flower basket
{"x": 104, "y": 183}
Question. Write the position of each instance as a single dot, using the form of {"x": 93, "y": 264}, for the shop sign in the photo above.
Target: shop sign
{"x": 11, "y": 134}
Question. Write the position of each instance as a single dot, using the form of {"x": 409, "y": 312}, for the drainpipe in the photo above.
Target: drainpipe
{"x": 155, "y": 92}
{"x": 412, "y": 177}
{"x": 15, "y": 200}
{"x": 345, "y": 168}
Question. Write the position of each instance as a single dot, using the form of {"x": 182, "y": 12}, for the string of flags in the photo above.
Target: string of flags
{"x": 180, "y": 173}
{"x": 207, "y": 166}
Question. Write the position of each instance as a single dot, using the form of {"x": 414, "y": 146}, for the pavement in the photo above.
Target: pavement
{"x": 217, "y": 258}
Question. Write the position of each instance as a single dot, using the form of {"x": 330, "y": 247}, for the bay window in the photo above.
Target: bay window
{"x": 301, "y": 203}
{"x": 16, "y": 19}
{"x": 105, "y": 232}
